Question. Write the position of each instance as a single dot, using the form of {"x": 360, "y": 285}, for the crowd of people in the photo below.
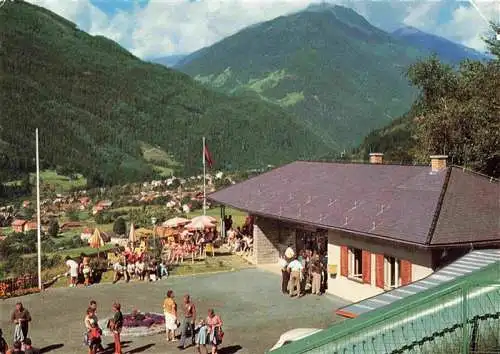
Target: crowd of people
{"x": 200, "y": 334}
{"x": 134, "y": 262}
{"x": 138, "y": 265}
{"x": 22, "y": 344}
{"x": 305, "y": 272}
{"x": 80, "y": 271}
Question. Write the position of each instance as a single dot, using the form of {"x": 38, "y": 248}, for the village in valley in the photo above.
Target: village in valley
{"x": 70, "y": 217}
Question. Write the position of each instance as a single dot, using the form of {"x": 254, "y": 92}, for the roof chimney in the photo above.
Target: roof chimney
{"x": 438, "y": 162}
{"x": 376, "y": 157}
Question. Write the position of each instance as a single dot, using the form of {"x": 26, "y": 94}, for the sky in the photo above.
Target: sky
{"x": 157, "y": 28}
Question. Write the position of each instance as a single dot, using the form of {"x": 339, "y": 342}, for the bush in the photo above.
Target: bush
{"x": 103, "y": 218}
{"x": 48, "y": 245}
{"x": 161, "y": 200}
{"x": 53, "y": 228}
{"x": 119, "y": 227}
{"x": 196, "y": 204}
{"x": 73, "y": 215}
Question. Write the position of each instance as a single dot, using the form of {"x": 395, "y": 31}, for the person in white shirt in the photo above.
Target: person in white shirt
{"x": 131, "y": 269}
{"x": 295, "y": 268}
{"x": 285, "y": 275}
{"x": 231, "y": 236}
{"x": 289, "y": 253}
{"x": 119, "y": 271}
{"x": 140, "y": 269}
{"x": 73, "y": 271}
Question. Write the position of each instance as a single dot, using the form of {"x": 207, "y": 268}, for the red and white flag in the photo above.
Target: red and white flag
{"x": 207, "y": 157}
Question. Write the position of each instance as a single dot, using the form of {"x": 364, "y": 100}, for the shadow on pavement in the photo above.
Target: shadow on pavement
{"x": 51, "y": 347}
{"x": 110, "y": 348}
{"x": 141, "y": 349}
{"x": 232, "y": 349}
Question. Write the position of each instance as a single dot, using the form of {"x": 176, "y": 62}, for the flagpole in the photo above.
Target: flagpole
{"x": 204, "y": 179}
{"x": 39, "y": 241}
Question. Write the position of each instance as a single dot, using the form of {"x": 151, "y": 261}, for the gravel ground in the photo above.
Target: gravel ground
{"x": 254, "y": 311}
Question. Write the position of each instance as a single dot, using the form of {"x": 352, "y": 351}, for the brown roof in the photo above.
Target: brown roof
{"x": 408, "y": 204}
{"x": 18, "y": 222}
{"x": 470, "y": 211}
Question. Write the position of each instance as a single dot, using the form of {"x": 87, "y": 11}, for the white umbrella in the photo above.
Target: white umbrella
{"x": 205, "y": 219}
{"x": 199, "y": 225}
{"x": 131, "y": 234}
{"x": 175, "y": 222}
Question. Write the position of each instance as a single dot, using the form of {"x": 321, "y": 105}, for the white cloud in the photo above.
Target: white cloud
{"x": 466, "y": 26}
{"x": 165, "y": 27}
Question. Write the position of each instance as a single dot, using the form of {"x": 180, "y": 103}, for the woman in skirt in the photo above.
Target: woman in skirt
{"x": 170, "y": 311}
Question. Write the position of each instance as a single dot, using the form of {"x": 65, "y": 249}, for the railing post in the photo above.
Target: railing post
{"x": 465, "y": 328}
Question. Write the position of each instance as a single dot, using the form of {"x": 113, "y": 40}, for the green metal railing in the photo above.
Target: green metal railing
{"x": 461, "y": 316}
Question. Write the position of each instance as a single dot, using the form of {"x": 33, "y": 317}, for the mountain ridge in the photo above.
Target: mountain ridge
{"x": 292, "y": 61}
{"x": 95, "y": 104}
{"x": 444, "y": 48}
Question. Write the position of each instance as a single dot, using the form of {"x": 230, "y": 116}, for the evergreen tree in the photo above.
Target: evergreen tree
{"x": 53, "y": 228}
{"x": 119, "y": 227}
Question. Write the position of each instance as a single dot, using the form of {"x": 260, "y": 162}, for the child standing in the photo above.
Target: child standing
{"x": 201, "y": 331}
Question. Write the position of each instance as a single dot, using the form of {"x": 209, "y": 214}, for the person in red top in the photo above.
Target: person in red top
{"x": 94, "y": 338}
{"x": 215, "y": 333}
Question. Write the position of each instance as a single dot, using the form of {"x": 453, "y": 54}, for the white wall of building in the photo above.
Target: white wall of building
{"x": 346, "y": 288}
{"x": 353, "y": 290}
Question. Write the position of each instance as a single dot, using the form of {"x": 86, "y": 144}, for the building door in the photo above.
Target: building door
{"x": 311, "y": 240}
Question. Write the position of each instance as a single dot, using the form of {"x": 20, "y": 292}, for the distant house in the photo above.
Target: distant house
{"x": 30, "y": 225}
{"x": 381, "y": 226}
{"x": 199, "y": 196}
{"x": 101, "y": 205}
{"x": 18, "y": 225}
{"x": 84, "y": 201}
{"x": 70, "y": 225}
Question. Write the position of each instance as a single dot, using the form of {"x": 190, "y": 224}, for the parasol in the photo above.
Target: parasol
{"x": 96, "y": 241}
{"x": 175, "y": 222}
{"x": 206, "y": 219}
{"x": 199, "y": 224}
{"x": 131, "y": 235}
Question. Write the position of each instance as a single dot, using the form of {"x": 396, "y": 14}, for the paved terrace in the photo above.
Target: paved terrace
{"x": 254, "y": 311}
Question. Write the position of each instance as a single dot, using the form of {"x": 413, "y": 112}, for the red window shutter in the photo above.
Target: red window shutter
{"x": 367, "y": 267}
{"x": 405, "y": 272}
{"x": 344, "y": 261}
{"x": 379, "y": 271}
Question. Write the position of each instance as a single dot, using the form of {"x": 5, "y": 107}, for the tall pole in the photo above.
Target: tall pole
{"x": 39, "y": 238}
{"x": 204, "y": 180}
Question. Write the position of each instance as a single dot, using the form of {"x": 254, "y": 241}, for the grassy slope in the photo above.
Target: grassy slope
{"x": 339, "y": 73}
{"x": 95, "y": 103}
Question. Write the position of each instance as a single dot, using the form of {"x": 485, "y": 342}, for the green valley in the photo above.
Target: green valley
{"x": 106, "y": 114}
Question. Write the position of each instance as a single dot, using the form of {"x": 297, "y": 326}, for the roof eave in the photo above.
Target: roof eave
{"x": 328, "y": 227}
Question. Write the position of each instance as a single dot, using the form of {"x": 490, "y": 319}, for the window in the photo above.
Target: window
{"x": 392, "y": 272}
{"x": 355, "y": 263}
